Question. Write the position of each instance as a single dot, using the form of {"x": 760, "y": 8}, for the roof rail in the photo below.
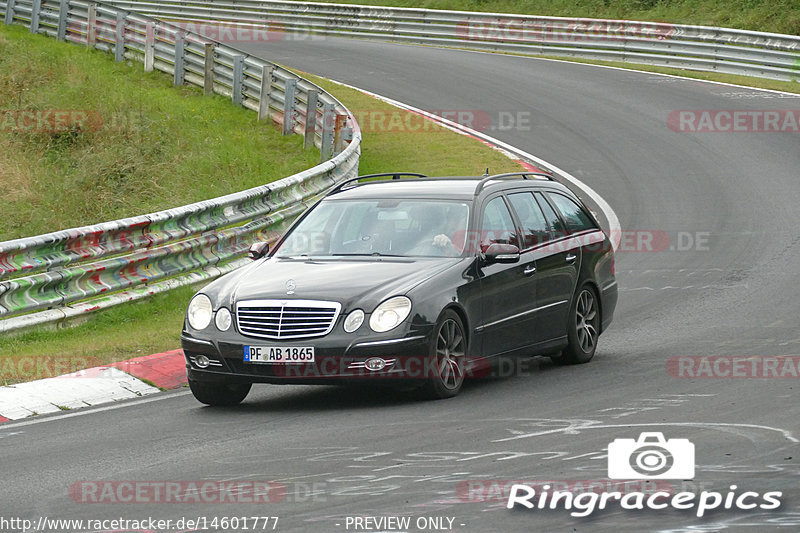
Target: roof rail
{"x": 523, "y": 175}
{"x": 394, "y": 176}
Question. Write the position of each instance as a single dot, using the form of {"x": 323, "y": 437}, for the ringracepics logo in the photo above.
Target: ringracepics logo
{"x": 651, "y": 457}
{"x": 648, "y": 457}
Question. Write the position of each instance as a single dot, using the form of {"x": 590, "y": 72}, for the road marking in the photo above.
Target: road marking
{"x": 574, "y": 429}
{"x": 626, "y": 69}
{"x": 86, "y": 411}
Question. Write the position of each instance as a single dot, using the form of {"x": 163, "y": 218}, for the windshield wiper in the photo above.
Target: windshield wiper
{"x": 370, "y": 254}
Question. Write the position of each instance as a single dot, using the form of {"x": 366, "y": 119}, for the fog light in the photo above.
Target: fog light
{"x": 374, "y": 364}
{"x": 202, "y": 361}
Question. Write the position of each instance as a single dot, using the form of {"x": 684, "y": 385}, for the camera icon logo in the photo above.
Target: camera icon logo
{"x": 651, "y": 457}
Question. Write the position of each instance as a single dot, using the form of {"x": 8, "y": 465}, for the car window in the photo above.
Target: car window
{"x": 399, "y": 227}
{"x": 534, "y": 225}
{"x": 557, "y": 228}
{"x": 497, "y": 225}
{"x": 574, "y": 216}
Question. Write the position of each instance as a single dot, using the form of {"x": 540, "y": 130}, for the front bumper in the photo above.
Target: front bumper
{"x": 338, "y": 358}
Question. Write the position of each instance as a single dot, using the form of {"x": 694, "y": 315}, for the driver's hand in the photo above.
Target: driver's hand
{"x": 442, "y": 241}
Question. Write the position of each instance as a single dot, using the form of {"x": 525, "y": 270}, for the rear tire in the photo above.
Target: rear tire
{"x": 219, "y": 394}
{"x": 583, "y": 328}
{"x": 448, "y": 351}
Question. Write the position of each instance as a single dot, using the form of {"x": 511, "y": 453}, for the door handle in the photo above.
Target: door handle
{"x": 529, "y": 271}
{"x": 571, "y": 258}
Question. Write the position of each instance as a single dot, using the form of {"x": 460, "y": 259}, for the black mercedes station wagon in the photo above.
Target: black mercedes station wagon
{"x": 407, "y": 278}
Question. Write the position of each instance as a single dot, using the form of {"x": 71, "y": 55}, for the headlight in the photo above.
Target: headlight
{"x": 223, "y": 319}
{"x": 200, "y": 311}
{"x": 354, "y": 321}
{"x": 389, "y": 314}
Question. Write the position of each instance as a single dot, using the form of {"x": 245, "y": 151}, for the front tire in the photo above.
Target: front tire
{"x": 219, "y": 394}
{"x": 583, "y": 328}
{"x": 448, "y": 350}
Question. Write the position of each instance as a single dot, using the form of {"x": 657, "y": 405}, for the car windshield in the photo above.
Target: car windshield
{"x": 380, "y": 227}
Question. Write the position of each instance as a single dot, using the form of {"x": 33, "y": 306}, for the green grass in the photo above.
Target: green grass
{"x": 146, "y": 146}
{"x": 122, "y": 332}
{"x": 153, "y": 325}
{"x": 779, "y": 16}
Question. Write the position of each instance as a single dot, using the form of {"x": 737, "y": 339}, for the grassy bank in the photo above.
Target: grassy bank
{"x": 780, "y": 16}
{"x": 84, "y": 139}
{"x": 393, "y": 140}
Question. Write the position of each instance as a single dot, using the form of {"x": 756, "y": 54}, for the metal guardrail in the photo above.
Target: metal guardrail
{"x": 68, "y": 273}
{"x": 749, "y": 53}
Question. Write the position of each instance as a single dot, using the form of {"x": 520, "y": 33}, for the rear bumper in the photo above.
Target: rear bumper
{"x": 608, "y": 302}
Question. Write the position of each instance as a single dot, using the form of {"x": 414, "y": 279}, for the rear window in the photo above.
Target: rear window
{"x": 573, "y": 214}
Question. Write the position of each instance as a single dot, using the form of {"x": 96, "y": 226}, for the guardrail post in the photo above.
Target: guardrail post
{"x": 347, "y": 135}
{"x": 119, "y": 41}
{"x": 179, "y": 49}
{"x": 238, "y": 74}
{"x": 91, "y": 26}
{"x": 288, "y": 106}
{"x": 63, "y": 12}
{"x": 264, "y": 95}
{"x": 310, "y": 127}
{"x": 338, "y": 141}
{"x": 36, "y": 8}
{"x": 149, "y": 47}
{"x": 9, "y": 12}
{"x": 208, "y": 69}
{"x": 328, "y": 125}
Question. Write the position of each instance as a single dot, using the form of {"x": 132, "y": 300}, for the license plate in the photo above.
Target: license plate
{"x": 278, "y": 354}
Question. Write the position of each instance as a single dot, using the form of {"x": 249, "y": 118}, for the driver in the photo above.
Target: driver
{"x": 451, "y": 237}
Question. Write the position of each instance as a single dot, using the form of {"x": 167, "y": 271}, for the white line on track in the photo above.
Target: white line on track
{"x": 88, "y": 411}
{"x": 626, "y": 69}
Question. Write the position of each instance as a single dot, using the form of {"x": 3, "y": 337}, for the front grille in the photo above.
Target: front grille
{"x": 286, "y": 319}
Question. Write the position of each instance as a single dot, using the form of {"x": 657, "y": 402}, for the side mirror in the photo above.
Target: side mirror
{"x": 501, "y": 253}
{"x": 258, "y": 250}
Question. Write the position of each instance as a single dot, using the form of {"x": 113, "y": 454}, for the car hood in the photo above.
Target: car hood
{"x": 354, "y": 282}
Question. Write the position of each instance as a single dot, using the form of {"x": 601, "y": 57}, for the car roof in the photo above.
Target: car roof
{"x": 444, "y": 187}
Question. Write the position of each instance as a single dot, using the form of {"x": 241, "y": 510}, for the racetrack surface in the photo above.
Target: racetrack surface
{"x": 362, "y": 452}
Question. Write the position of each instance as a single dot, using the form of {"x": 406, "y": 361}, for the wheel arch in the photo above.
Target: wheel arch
{"x": 462, "y": 314}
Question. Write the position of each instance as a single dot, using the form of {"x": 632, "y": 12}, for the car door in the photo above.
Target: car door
{"x": 505, "y": 289}
{"x": 557, "y": 263}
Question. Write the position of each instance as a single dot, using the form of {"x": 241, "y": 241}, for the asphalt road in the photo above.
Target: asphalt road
{"x": 342, "y": 453}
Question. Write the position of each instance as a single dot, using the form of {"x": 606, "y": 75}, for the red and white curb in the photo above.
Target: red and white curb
{"x": 94, "y": 386}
